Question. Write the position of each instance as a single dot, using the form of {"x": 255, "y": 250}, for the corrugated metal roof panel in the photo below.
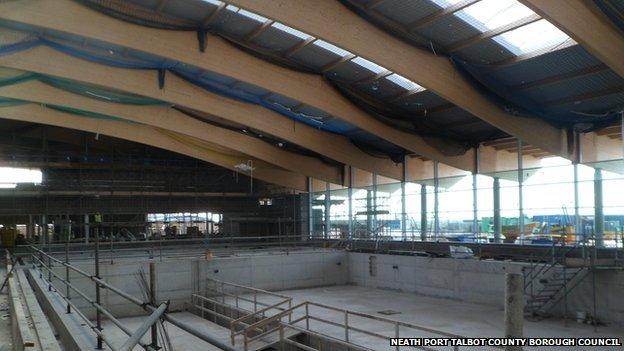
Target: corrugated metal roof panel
{"x": 349, "y": 72}
{"x": 485, "y": 52}
{"x": 193, "y": 10}
{"x": 420, "y": 101}
{"x": 448, "y": 30}
{"x": 406, "y": 11}
{"x": 596, "y": 106}
{"x": 380, "y": 89}
{"x": 236, "y": 25}
{"x": 314, "y": 56}
{"x": 548, "y": 65}
{"x": 276, "y": 40}
{"x": 573, "y": 87}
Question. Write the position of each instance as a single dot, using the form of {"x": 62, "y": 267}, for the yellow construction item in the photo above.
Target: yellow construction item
{"x": 7, "y": 236}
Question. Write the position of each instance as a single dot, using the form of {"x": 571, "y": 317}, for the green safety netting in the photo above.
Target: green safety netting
{"x": 10, "y": 77}
{"x": 6, "y": 102}
{"x": 89, "y": 114}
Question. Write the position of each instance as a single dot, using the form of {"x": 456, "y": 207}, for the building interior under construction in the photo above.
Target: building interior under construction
{"x": 310, "y": 175}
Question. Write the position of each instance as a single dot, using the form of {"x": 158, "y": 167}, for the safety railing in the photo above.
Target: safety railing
{"x": 307, "y": 312}
{"x": 157, "y": 312}
{"x": 250, "y": 304}
{"x": 133, "y": 337}
{"x": 175, "y": 247}
{"x": 539, "y": 266}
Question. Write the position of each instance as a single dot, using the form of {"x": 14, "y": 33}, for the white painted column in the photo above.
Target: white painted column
{"x": 514, "y": 308}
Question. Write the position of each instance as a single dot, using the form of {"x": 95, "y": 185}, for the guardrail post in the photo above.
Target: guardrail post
{"x": 281, "y": 337}
{"x": 98, "y": 314}
{"x": 40, "y": 265}
{"x": 396, "y": 332}
{"x": 49, "y": 271}
{"x": 307, "y": 316}
{"x": 67, "y": 282}
{"x": 152, "y": 286}
{"x": 255, "y": 301}
{"x": 346, "y": 321}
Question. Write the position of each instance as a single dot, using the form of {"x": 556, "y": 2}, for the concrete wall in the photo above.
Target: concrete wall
{"x": 480, "y": 282}
{"x": 466, "y": 280}
{"x": 609, "y": 301}
{"x": 177, "y": 278}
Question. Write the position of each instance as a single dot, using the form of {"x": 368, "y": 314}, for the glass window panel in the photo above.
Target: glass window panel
{"x": 532, "y": 37}
{"x": 491, "y": 14}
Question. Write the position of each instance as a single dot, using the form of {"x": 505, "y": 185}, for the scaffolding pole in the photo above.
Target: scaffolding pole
{"x": 423, "y": 212}
{"x": 520, "y": 191}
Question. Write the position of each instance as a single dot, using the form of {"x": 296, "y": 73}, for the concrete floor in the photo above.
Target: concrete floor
{"x": 180, "y": 340}
{"x": 466, "y": 319}
{"x": 6, "y": 342}
{"x": 450, "y": 316}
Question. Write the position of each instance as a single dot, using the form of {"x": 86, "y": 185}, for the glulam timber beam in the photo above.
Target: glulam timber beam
{"x": 584, "y": 22}
{"x": 156, "y": 137}
{"x": 331, "y": 21}
{"x": 179, "y": 92}
{"x": 221, "y": 57}
{"x": 166, "y": 117}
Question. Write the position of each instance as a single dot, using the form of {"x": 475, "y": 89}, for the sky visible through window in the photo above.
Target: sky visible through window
{"x": 10, "y": 176}
{"x": 486, "y": 15}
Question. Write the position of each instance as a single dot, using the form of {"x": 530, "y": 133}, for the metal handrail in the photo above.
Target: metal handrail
{"x": 260, "y": 325}
{"x": 546, "y": 266}
{"x": 247, "y": 288}
{"x": 157, "y": 312}
{"x": 241, "y": 320}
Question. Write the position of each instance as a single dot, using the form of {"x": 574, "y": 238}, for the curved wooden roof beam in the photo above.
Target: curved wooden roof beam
{"x": 335, "y": 23}
{"x": 156, "y": 137}
{"x": 223, "y": 58}
{"x": 584, "y": 22}
{"x": 182, "y": 93}
{"x": 167, "y": 118}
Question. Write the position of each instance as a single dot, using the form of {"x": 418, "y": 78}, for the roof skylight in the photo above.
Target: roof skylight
{"x": 373, "y": 67}
{"x": 252, "y": 15}
{"x": 232, "y": 8}
{"x": 330, "y": 47}
{"x": 491, "y": 14}
{"x": 532, "y": 37}
{"x": 291, "y": 31}
{"x": 446, "y": 3}
{"x": 403, "y": 82}
{"x": 214, "y": 2}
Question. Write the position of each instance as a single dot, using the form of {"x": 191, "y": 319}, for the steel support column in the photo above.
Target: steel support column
{"x": 475, "y": 208}
{"x": 310, "y": 213}
{"x": 44, "y": 230}
{"x": 350, "y": 202}
{"x": 375, "y": 226}
{"x": 423, "y": 212}
{"x": 86, "y": 228}
{"x": 598, "y": 209}
{"x": 520, "y": 191}
{"x": 577, "y": 216}
{"x": 403, "y": 201}
{"x": 436, "y": 202}
{"x": 327, "y": 210}
{"x": 497, "y": 211}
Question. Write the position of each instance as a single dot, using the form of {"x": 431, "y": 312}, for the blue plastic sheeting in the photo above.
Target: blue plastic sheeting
{"x": 129, "y": 59}
{"x": 488, "y": 77}
{"x": 518, "y": 102}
